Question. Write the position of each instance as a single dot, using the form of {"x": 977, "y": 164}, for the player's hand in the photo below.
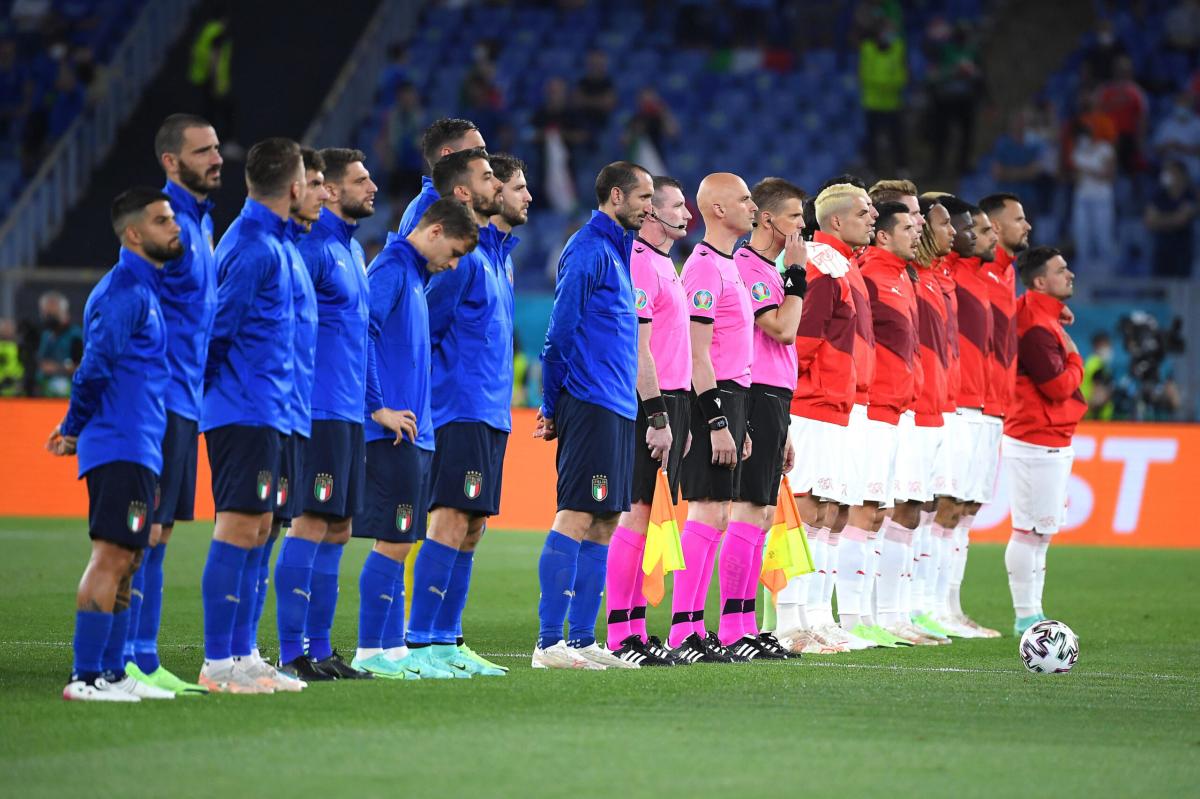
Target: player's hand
{"x": 747, "y": 446}
{"x": 58, "y": 444}
{"x": 724, "y": 450}
{"x": 545, "y": 428}
{"x": 1070, "y": 343}
{"x": 399, "y": 422}
{"x": 659, "y": 442}
{"x": 789, "y": 456}
{"x": 1067, "y": 317}
{"x": 795, "y": 250}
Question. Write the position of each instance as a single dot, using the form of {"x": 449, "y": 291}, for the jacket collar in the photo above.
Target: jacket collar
{"x": 621, "y": 239}
{"x": 878, "y": 255}
{"x": 256, "y": 211}
{"x": 405, "y": 252}
{"x": 293, "y": 230}
{"x": 1044, "y": 304}
{"x": 845, "y": 249}
{"x": 183, "y": 200}
{"x": 335, "y": 226}
{"x": 145, "y": 272}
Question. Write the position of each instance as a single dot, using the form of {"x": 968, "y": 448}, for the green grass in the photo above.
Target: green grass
{"x": 964, "y": 720}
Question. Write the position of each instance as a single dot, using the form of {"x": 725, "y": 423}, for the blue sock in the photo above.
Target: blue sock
{"x": 589, "y": 588}
{"x": 323, "y": 604}
{"x": 91, "y": 634}
{"x": 137, "y": 590}
{"x": 243, "y": 624}
{"x": 112, "y": 662}
{"x": 556, "y": 576}
{"x": 264, "y": 583}
{"x": 393, "y": 628}
{"x": 145, "y": 635}
{"x": 219, "y": 589}
{"x": 431, "y": 578}
{"x": 375, "y": 586}
{"x": 293, "y": 584}
{"x": 447, "y": 626}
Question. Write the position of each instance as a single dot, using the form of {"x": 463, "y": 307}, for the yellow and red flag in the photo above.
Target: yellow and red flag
{"x": 787, "y": 553}
{"x": 664, "y": 554}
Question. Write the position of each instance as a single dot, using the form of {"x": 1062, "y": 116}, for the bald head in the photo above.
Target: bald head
{"x": 724, "y": 201}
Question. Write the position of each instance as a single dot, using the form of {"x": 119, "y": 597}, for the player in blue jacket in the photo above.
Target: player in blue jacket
{"x": 115, "y": 423}
{"x": 247, "y": 411}
{"x": 443, "y": 137}
{"x": 589, "y": 403}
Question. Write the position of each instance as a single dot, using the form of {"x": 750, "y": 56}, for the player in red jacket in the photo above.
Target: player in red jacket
{"x": 1047, "y": 406}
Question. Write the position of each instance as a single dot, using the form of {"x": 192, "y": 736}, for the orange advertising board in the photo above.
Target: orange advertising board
{"x": 1127, "y": 482}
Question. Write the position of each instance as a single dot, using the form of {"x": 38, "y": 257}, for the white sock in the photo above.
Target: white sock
{"x": 789, "y": 606}
{"x": 219, "y": 663}
{"x": 906, "y": 580}
{"x": 962, "y": 544}
{"x": 367, "y": 652}
{"x": 1039, "y": 572}
{"x": 823, "y": 609}
{"x": 396, "y": 653}
{"x": 893, "y": 562}
{"x": 943, "y": 555}
{"x": 852, "y": 575}
{"x": 922, "y": 568}
{"x": 819, "y": 546}
{"x": 1020, "y": 559}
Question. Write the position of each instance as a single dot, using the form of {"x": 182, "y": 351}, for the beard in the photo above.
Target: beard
{"x": 357, "y": 210}
{"x": 512, "y": 217}
{"x": 167, "y": 252}
{"x": 485, "y": 206}
{"x": 630, "y": 219}
{"x": 196, "y": 181}
{"x": 1020, "y": 247}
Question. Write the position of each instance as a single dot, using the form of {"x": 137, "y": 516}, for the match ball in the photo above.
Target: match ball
{"x": 1049, "y": 647}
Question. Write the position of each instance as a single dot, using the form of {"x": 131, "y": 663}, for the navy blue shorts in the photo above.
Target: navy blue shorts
{"x": 595, "y": 457}
{"x": 177, "y": 486}
{"x": 334, "y": 469}
{"x": 289, "y": 501}
{"x": 121, "y": 497}
{"x": 396, "y": 504}
{"x": 468, "y": 465}
{"x": 245, "y": 465}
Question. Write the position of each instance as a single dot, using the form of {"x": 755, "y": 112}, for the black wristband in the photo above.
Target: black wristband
{"x": 653, "y": 405}
{"x": 710, "y": 404}
{"x": 795, "y": 282}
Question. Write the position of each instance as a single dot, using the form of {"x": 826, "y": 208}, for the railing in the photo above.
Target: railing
{"x": 38, "y": 214}
{"x": 354, "y": 90}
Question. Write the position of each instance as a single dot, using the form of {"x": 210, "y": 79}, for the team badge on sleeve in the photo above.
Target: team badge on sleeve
{"x": 137, "y": 516}
{"x": 473, "y": 484}
{"x": 599, "y": 487}
{"x": 281, "y": 493}
{"x": 760, "y": 292}
{"x": 404, "y": 517}
{"x": 703, "y": 300}
{"x": 639, "y": 299}
{"x": 323, "y": 487}
{"x": 264, "y": 484}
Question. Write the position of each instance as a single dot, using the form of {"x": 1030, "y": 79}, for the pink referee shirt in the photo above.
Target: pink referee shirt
{"x": 659, "y": 299}
{"x": 717, "y": 295}
{"x": 775, "y": 364}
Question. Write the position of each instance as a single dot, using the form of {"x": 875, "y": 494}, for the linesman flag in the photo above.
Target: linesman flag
{"x": 787, "y": 552}
{"x": 664, "y": 553}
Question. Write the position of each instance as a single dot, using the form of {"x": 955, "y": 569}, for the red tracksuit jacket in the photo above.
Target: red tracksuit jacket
{"x": 826, "y": 380}
{"x": 864, "y": 330}
{"x": 935, "y": 350}
{"x": 950, "y": 293}
{"x": 1002, "y": 366}
{"x": 1047, "y": 403}
{"x": 974, "y": 329}
{"x": 894, "y": 319}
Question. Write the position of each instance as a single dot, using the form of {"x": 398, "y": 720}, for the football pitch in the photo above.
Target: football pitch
{"x": 962, "y": 720}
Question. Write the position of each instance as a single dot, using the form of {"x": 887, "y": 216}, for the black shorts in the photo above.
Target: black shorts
{"x": 177, "y": 486}
{"x": 396, "y": 502}
{"x": 768, "y": 433}
{"x": 121, "y": 496}
{"x": 289, "y": 502}
{"x": 701, "y": 478}
{"x": 645, "y": 468}
{"x": 245, "y": 466}
{"x": 595, "y": 457}
{"x": 468, "y": 465}
{"x": 335, "y": 464}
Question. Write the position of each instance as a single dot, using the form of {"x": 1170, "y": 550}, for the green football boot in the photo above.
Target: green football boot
{"x": 382, "y": 666}
{"x": 422, "y": 662}
{"x": 873, "y": 634}
{"x": 479, "y": 666}
{"x": 926, "y": 621}
{"x": 883, "y": 636}
{"x": 448, "y": 657}
{"x": 161, "y": 678}
{"x": 1023, "y": 623}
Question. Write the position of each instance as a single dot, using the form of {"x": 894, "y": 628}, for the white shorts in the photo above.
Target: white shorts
{"x": 818, "y": 445}
{"x": 852, "y": 463}
{"x": 946, "y": 457}
{"x": 1037, "y": 484}
{"x": 980, "y": 455}
{"x": 910, "y": 478}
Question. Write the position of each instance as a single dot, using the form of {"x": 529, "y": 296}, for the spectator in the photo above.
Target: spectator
{"x": 60, "y": 347}
{"x": 1097, "y": 386}
{"x": 1183, "y": 27}
{"x": 560, "y": 132}
{"x": 1178, "y": 136}
{"x": 211, "y": 73}
{"x": 954, "y": 83}
{"x": 652, "y": 124}
{"x": 1101, "y": 58}
{"x": 1125, "y": 102}
{"x": 481, "y": 99}
{"x": 882, "y": 76}
{"x": 395, "y": 73}
{"x": 16, "y": 91}
{"x": 596, "y": 97}
{"x": 1093, "y": 216}
{"x": 399, "y": 145}
{"x": 12, "y": 371}
{"x": 1169, "y": 217}
{"x": 1021, "y": 166}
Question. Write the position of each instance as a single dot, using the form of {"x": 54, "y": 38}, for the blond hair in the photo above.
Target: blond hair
{"x": 836, "y": 198}
{"x": 886, "y": 191}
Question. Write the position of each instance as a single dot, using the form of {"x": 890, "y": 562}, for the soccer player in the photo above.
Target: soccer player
{"x": 187, "y": 149}
{"x": 115, "y": 421}
{"x": 471, "y": 336}
{"x": 776, "y": 301}
{"x": 289, "y": 493}
{"x": 820, "y": 409}
{"x": 1038, "y": 428}
{"x": 589, "y": 404}
{"x": 722, "y": 337}
{"x": 443, "y": 137}
{"x": 400, "y": 442}
{"x": 664, "y": 407}
{"x": 247, "y": 409}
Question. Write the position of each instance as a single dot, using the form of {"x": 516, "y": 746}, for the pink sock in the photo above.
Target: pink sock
{"x": 624, "y": 564}
{"x": 637, "y": 614}
{"x": 737, "y": 555}
{"x": 705, "y": 580}
{"x": 750, "y": 588}
{"x": 695, "y": 540}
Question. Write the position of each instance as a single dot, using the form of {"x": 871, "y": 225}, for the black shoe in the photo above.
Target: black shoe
{"x": 634, "y": 651}
{"x": 716, "y": 653}
{"x": 340, "y": 669}
{"x": 655, "y": 645}
{"x": 771, "y": 648}
{"x": 302, "y": 668}
{"x": 690, "y": 651}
